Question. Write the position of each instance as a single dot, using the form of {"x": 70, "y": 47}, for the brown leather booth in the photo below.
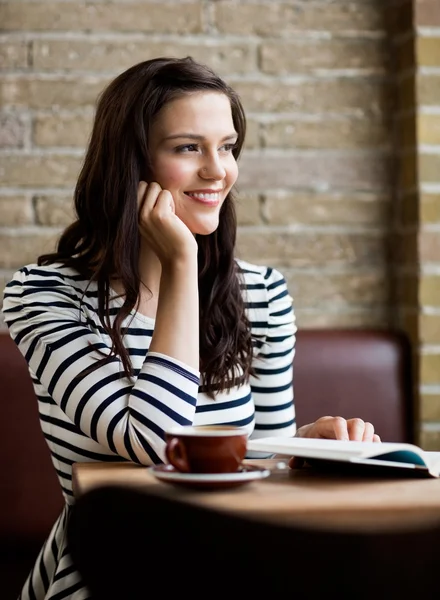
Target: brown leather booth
{"x": 354, "y": 373}
{"x": 349, "y": 373}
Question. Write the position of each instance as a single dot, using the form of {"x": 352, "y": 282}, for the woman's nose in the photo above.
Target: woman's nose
{"x": 213, "y": 169}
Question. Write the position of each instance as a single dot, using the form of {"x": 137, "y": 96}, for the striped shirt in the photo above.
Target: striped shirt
{"x": 101, "y": 415}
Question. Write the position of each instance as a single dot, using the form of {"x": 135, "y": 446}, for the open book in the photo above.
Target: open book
{"x": 385, "y": 457}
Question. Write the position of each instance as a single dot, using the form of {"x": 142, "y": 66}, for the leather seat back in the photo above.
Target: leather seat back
{"x": 353, "y": 373}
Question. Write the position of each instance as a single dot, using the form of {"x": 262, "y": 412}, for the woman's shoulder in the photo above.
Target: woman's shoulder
{"x": 54, "y": 289}
{"x": 34, "y": 279}
{"x": 47, "y": 275}
{"x": 262, "y": 276}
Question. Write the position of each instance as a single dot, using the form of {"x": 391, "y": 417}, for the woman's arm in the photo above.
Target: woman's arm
{"x": 42, "y": 309}
{"x": 270, "y": 309}
{"x": 273, "y": 391}
{"x": 176, "y": 331}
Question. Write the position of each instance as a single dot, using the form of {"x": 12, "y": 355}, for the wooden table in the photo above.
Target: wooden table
{"x": 302, "y": 496}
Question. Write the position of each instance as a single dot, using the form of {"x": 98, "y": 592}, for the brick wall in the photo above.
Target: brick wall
{"x": 316, "y": 178}
{"x": 340, "y": 179}
{"x": 415, "y": 282}
{"x": 427, "y": 94}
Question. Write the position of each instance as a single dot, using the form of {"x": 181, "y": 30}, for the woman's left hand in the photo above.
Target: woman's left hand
{"x": 336, "y": 428}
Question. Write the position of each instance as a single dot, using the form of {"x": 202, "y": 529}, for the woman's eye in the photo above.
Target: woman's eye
{"x": 228, "y": 147}
{"x": 187, "y": 148}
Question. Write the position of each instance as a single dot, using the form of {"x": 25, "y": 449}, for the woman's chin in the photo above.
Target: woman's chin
{"x": 204, "y": 227}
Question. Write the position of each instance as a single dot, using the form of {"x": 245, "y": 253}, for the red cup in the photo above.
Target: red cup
{"x": 206, "y": 449}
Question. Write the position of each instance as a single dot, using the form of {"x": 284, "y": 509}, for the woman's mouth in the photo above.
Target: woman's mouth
{"x": 207, "y": 198}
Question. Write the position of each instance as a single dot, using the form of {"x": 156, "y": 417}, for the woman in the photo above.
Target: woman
{"x": 143, "y": 318}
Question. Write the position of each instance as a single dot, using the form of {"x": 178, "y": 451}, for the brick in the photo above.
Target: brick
{"x": 328, "y": 133}
{"x": 332, "y": 290}
{"x": 248, "y": 209}
{"x": 429, "y": 246}
{"x": 253, "y": 129}
{"x": 54, "y": 210}
{"x": 429, "y": 329}
{"x": 428, "y": 128}
{"x": 430, "y": 408}
{"x": 34, "y": 171}
{"x": 13, "y": 130}
{"x": 377, "y": 318}
{"x": 283, "y": 18}
{"x": 428, "y": 51}
{"x": 429, "y": 290}
{"x": 151, "y": 17}
{"x": 428, "y": 90}
{"x": 359, "y": 95}
{"x": 13, "y": 55}
{"x": 430, "y": 369}
{"x": 53, "y": 92}
{"x": 15, "y": 210}
{"x": 224, "y": 58}
{"x": 429, "y": 168}
{"x": 308, "y": 56}
{"x": 429, "y": 440}
{"x": 356, "y": 209}
{"x": 303, "y": 249}
{"x": 427, "y": 13}
{"x": 24, "y": 247}
{"x": 363, "y": 173}
{"x": 430, "y": 208}
{"x": 62, "y": 129}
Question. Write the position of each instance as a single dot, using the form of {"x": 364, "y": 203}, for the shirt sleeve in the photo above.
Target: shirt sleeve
{"x": 272, "y": 384}
{"x": 128, "y": 417}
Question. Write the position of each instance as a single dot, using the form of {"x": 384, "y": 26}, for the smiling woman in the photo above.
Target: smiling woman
{"x": 144, "y": 318}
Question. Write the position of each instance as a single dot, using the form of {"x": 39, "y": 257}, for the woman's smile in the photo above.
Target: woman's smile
{"x": 207, "y": 197}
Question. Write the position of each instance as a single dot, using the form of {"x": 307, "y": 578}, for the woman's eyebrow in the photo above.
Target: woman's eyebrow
{"x": 193, "y": 136}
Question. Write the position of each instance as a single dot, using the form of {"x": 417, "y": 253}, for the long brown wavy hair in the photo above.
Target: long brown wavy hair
{"x": 104, "y": 240}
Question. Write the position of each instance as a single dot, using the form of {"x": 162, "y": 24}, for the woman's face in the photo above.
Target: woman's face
{"x": 191, "y": 145}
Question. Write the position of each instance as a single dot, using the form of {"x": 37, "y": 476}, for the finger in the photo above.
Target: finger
{"x": 295, "y": 462}
{"x": 141, "y": 193}
{"x": 334, "y": 428}
{"x": 164, "y": 203}
{"x": 356, "y": 428}
{"x": 376, "y": 438}
{"x": 150, "y": 197}
{"x": 368, "y": 432}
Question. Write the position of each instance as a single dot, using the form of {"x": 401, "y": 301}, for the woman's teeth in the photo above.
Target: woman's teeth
{"x": 211, "y": 197}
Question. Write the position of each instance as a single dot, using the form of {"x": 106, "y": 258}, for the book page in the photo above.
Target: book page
{"x": 336, "y": 449}
{"x": 433, "y": 461}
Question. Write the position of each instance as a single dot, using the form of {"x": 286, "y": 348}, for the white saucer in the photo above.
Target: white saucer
{"x": 246, "y": 474}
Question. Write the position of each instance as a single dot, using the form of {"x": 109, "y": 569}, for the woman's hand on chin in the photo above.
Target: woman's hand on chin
{"x": 336, "y": 428}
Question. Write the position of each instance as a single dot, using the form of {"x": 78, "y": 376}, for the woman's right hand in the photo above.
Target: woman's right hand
{"x": 166, "y": 234}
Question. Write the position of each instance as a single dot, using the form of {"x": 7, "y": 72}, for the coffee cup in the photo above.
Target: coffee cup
{"x": 206, "y": 448}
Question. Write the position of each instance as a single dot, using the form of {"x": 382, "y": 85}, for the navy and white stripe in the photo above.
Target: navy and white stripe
{"x": 100, "y": 415}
